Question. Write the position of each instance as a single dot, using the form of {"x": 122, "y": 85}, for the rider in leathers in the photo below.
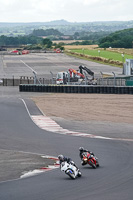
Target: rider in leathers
{"x": 68, "y": 160}
{"x": 81, "y": 151}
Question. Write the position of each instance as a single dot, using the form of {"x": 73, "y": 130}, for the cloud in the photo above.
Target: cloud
{"x": 70, "y": 10}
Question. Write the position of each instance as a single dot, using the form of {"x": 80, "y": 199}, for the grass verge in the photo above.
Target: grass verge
{"x": 97, "y": 59}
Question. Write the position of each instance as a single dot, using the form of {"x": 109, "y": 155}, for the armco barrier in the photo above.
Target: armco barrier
{"x": 76, "y": 89}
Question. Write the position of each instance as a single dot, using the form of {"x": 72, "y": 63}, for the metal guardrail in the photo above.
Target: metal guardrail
{"x": 22, "y": 80}
{"x": 111, "y": 82}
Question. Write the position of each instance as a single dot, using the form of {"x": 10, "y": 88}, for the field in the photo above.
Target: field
{"x": 104, "y": 53}
{"x": 111, "y": 56}
{"x": 65, "y": 41}
{"x": 69, "y": 47}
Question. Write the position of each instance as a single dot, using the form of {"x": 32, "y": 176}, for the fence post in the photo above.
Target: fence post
{"x": 13, "y": 80}
{"x": 114, "y": 78}
{"x": 102, "y": 77}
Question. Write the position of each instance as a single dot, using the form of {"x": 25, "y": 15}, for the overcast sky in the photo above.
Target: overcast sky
{"x": 70, "y": 10}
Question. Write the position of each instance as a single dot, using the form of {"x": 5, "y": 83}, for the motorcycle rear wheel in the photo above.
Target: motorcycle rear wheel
{"x": 97, "y": 164}
{"x": 79, "y": 174}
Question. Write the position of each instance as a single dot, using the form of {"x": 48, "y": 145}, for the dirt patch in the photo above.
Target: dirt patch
{"x": 88, "y": 107}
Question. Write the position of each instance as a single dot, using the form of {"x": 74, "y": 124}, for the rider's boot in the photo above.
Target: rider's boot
{"x": 83, "y": 163}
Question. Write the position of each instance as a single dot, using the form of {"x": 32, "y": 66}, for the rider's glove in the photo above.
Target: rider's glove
{"x": 92, "y": 153}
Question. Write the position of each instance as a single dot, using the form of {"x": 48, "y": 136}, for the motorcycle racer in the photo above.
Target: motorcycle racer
{"x": 81, "y": 151}
{"x": 68, "y": 160}
{"x": 63, "y": 159}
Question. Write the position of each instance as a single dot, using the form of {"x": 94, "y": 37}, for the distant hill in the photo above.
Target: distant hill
{"x": 64, "y": 22}
{"x": 55, "y": 22}
{"x": 63, "y": 26}
{"x": 58, "y": 23}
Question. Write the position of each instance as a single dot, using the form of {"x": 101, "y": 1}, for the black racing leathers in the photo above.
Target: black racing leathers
{"x": 68, "y": 160}
{"x": 81, "y": 155}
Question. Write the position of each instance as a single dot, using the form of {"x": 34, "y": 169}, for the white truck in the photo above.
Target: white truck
{"x": 75, "y": 76}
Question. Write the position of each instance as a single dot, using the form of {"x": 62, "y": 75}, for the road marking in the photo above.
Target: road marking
{"x": 43, "y": 169}
{"x": 46, "y": 123}
{"x": 28, "y": 66}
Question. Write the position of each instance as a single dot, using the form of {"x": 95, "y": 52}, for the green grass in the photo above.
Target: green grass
{"x": 104, "y": 53}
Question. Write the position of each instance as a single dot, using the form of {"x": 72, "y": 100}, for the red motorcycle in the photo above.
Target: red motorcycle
{"x": 90, "y": 159}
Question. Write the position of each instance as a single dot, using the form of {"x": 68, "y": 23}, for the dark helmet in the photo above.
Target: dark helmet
{"x": 81, "y": 148}
{"x": 61, "y": 157}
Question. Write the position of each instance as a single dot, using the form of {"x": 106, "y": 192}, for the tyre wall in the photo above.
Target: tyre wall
{"x": 76, "y": 89}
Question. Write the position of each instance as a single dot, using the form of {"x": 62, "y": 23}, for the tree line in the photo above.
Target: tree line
{"x": 20, "y": 40}
{"x": 30, "y": 42}
{"x": 119, "y": 39}
{"x": 47, "y": 32}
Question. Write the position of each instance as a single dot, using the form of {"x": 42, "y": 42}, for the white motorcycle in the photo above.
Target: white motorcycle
{"x": 70, "y": 170}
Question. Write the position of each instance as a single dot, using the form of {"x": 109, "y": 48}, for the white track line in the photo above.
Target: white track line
{"x": 28, "y": 66}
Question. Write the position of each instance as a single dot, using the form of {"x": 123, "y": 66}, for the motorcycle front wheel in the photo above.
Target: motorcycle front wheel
{"x": 92, "y": 164}
{"x": 71, "y": 175}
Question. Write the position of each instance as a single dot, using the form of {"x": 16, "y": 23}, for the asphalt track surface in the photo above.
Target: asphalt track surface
{"x": 43, "y": 63}
{"x": 112, "y": 180}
